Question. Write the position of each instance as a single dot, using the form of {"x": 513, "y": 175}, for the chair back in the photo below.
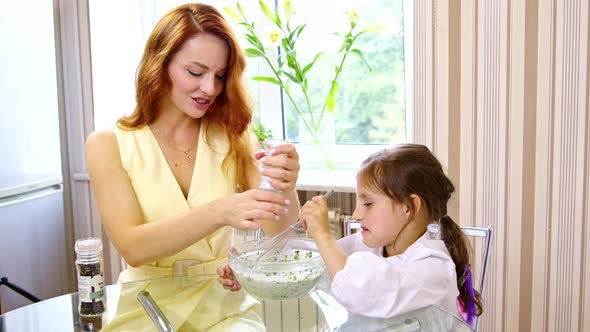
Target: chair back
{"x": 481, "y": 232}
{"x": 486, "y": 234}
{"x": 350, "y": 225}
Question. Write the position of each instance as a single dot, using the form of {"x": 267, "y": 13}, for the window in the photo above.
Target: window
{"x": 372, "y": 108}
{"x": 370, "y": 105}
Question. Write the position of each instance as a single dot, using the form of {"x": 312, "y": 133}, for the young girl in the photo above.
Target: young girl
{"x": 394, "y": 265}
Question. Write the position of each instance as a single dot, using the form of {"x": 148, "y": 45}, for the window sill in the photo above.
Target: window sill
{"x": 322, "y": 180}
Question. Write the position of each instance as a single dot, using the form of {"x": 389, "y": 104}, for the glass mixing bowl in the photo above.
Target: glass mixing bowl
{"x": 288, "y": 271}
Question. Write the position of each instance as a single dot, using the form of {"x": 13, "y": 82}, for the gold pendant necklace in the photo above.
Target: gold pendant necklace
{"x": 186, "y": 152}
{"x": 188, "y": 156}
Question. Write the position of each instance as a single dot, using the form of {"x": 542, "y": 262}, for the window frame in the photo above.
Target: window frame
{"x": 343, "y": 178}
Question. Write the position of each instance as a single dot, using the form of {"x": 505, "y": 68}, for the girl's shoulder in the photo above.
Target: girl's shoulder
{"x": 354, "y": 243}
{"x": 427, "y": 247}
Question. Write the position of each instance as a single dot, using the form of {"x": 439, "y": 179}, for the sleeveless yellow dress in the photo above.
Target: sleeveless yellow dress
{"x": 192, "y": 305}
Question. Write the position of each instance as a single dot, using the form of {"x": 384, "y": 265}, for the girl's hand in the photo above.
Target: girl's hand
{"x": 242, "y": 210}
{"x": 227, "y": 279}
{"x": 281, "y": 166}
{"x": 314, "y": 216}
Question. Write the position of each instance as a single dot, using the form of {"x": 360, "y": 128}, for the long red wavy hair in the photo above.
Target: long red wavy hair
{"x": 231, "y": 110}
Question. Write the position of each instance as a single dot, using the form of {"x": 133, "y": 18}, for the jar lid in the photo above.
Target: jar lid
{"x": 91, "y": 245}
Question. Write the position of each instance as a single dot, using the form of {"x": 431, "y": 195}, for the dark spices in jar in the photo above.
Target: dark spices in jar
{"x": 90, "y": 277}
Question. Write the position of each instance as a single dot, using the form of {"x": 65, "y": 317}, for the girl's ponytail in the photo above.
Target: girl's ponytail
{"x": 458, "y": 247}
{"x": 411, "y": 169}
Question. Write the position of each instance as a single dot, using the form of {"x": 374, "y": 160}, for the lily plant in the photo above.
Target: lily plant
{"x": 289, "y": 70}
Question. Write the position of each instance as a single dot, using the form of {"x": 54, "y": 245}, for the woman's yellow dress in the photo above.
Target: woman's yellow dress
{"x": 189, "y": 305}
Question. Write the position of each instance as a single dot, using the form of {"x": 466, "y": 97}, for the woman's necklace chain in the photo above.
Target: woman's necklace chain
{"x": 187, "y": 152}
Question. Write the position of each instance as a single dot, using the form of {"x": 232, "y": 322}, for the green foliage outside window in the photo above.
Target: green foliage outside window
{"x": 371, "y": 105}
{"x": 290, "y": 72}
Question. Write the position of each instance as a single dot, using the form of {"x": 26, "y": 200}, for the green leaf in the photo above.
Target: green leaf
{"x": 310, "y": 65}
{"x": 362, "y": 56}
{"x": 331, "y": 99}
{"x": 252, "y": 39}
{"x": 291, "y": 61}
{"x": 267, "y": 11}
{"x": 240, "y": 9}
{"x": 285, "y": 44}
{"x": 301, "y": 27}
{"x": 232, "y": 13}
{"x": 329, "y": 163}
{"x": 266, "y": 79}
{"x": 278, "y": 19}
{"x": 252, "y": 53}
{"x": 296, "y": 32}
{"x": 255, "y": 42}
{"x": 261, "y": 132}
{"x": 291, "y": 77}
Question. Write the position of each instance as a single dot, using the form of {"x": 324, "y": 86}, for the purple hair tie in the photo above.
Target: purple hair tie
{"x": 467, "y": 279}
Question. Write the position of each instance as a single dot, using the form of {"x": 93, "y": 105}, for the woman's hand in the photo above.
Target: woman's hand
{"x": 314, "y": 216}
{"x": 242, "y": 210}
{"x": 227, "y": 279}
{"x": 281, "y": 166}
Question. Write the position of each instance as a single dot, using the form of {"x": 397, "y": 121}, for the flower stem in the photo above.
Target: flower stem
{"x": 338, "y": 71}
{"x": 288, "y": 93}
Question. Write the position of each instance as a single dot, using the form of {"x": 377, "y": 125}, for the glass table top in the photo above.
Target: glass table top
{"x": 147, "y": 306}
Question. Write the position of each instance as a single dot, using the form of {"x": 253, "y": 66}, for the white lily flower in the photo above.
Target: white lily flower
{"x": 288, "y": 8}
{"x": 272, "y": 38}
{"x": 353, "y": 16}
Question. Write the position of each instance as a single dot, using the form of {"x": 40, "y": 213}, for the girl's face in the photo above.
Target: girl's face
{"x": 197, "y": 73}
{"x": 381, "y": 217}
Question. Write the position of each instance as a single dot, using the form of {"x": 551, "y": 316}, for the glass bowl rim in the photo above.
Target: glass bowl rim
{"x": 314, "y": 260}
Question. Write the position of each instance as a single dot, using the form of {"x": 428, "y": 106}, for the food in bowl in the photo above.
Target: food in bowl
{"x": 289, "y": 271}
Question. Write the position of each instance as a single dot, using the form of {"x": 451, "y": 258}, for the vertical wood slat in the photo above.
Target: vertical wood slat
{"x": 570, "y": 112}
{"x": 514, "y": 181}
{"x": 468, "y": 108}
{"x": 585, "y": 289}
{"x": 543, "y": 169}
{"x": 273, "y": 316}
{"x": 529, "y": 194}
{"x": 290, "y": 315}
{"x": 423, "y": 73}
{"x": 491, "y": 146}
{"x": 308, "y": 315}
{"x": 440, "y": 118}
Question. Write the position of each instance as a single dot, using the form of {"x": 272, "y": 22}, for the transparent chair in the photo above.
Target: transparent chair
{"x": 351, "y": 225}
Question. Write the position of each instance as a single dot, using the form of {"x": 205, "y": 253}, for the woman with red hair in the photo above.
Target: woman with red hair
{"x": 165, "y": 177}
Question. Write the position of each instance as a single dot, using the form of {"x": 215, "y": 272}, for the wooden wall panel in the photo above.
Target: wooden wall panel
{"x": 567, "y": 213}
{"x": 423, "y": 100}
{"x": 491, "y": 142}
{"x": 524, "y": 151}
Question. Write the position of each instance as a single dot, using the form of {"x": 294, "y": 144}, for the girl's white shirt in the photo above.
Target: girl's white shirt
{"x": 376, "y": 286}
